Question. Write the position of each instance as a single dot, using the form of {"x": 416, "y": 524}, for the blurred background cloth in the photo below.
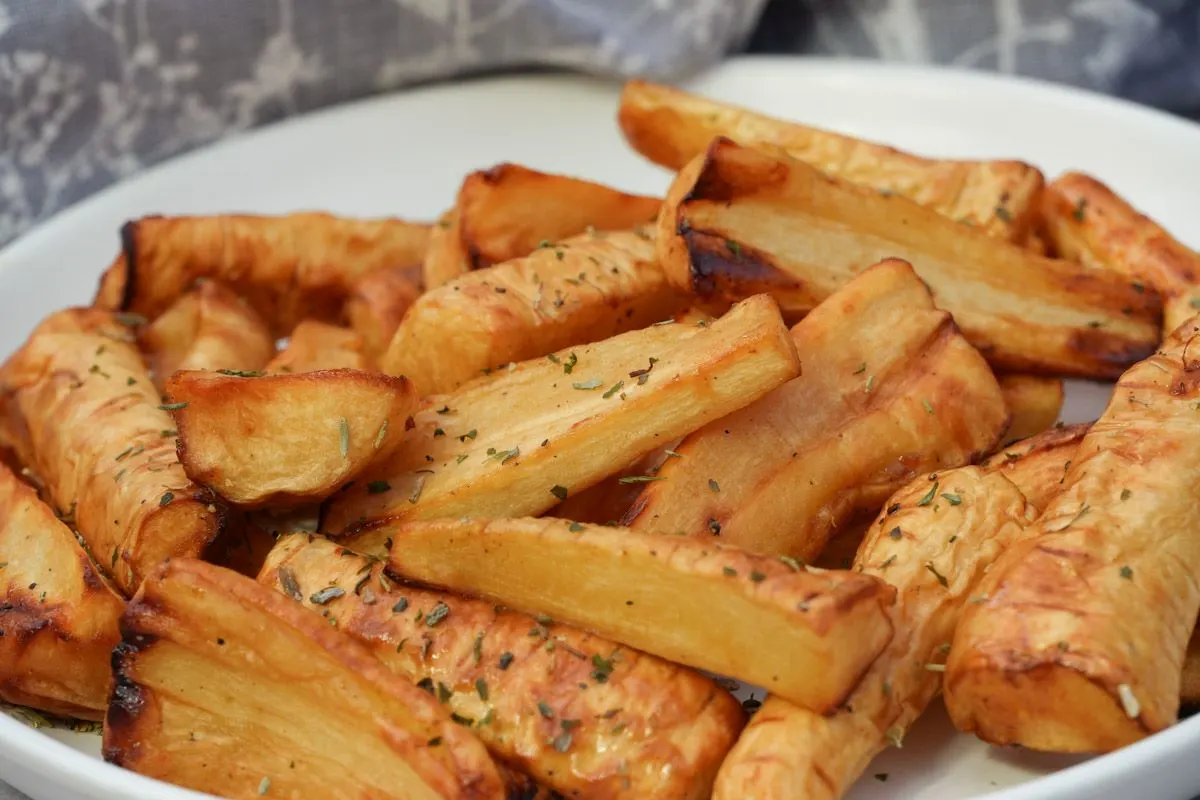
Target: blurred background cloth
{"x": 94, "y": 90}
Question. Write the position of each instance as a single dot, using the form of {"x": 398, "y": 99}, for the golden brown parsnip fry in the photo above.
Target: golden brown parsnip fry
{"x": 609, "y": 499}
{"x": 320, "y": 346}
{"x": 889, "y": 390}
{"x": 1089, "y": 223}
{"x": 804, "y": 634}
{"x": 1079, "y": 645}
{"x": 1034, "y": 403}
{"x": 209, "y": 328}
{"x": 585, "y": 414}
{"x": 1038, "y": 465}
{"x": 934, "y": 542}
{"x": 615, "y": 722}
{"x": 58, "y": 617}
{"x": 671, "y": 127}
{"x": 578, "y": 291}
{"x": 227, "y": 687}
{"x": 286, "y": 439}
{"x": 288, "y": 267}
{"x": 446, "y": 258}
{"x": 105, "y": 448}
{"x": 378, "y": 302}
{"x": 509, "y": 211}
{"x": 737, "y": 221}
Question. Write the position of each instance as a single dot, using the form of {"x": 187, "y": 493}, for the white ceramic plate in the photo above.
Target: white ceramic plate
{"x": 405, "y": 154}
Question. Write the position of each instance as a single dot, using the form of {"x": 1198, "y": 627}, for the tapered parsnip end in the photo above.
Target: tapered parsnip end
{"x": 1033, "y": 402}
{"x": 378, "y": 302}
{"x": 315, "y": 346}
{"x": 576, "y": 291}
{"x": 286, "y": 439}
{"x": 805, "y": 635}
{"x": 1039, "y": 465}
{"x": 226, "y": 687}
{"x": 587, "y": 413}
{"x": 614, "y": 720}
{"x": 58, "y": 616}
{"x": 744, "y": 221}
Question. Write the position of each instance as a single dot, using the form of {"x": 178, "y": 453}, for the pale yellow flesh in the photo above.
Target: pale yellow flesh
{"x": 1034, "y": 403}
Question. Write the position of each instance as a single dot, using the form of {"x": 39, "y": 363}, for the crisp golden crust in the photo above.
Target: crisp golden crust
{"x": 286, "y": 439}
{"x": 105, "y": 449}
{"x": 934, "y": 542}
{"x": 377, "y": 303}
{"x": 671, "y": 127}
{"x": 578, "y": 291}
{"x": 58, "y": 617}
{"x": 584, "y": 414}
{"x": 209, "y": 328}
{"x": 738, "y": 221}
{"x": 620, "y": 723}
{"x": 224, "y": 686}
{"x": 1087, "y": 222}
{"x": 1034, "y": 403}
{"x": 807, "y": 635}
{"x": 889, "y": 390}
{"x": 288, "y": 267}
{"x": 1079, "y": 644}
{"x": 317, "y": 346}
{"x": 1039, "y": 465}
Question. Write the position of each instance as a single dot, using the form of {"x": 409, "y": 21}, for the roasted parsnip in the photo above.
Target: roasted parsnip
{"x": 582, "y": 715}
{"x": 446, "y": 257}
{"x": 227, "y": 687}
{"x": 738, "y": 221}
{"x": 320, "y": 346}
{"x": 1033, "y": 402}
{"x": 1079, "y": 643}
{"x": 889, "y": 390}
{"x": 1038, "y": 466}
{"x": 377, "y": 303}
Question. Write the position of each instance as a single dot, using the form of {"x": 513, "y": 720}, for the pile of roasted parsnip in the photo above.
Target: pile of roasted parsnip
{"x": 566, "y": 459}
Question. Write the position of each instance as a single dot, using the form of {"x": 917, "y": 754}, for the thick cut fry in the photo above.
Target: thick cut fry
{"x": 890, "y": 390}
{"x": 737, "y": 221}
{"x": 1079, "y": 645}
{"x": 320, "y": 346}
{"x": 1038, "y": 465}
{"x": 1033, "y": 402}
{"x": 578, "y": 291}
{"x": 209, "y": 328}
{"x": 58, "y": 617}
{"x": 1087, "y": 222}
{"x": 671, "y": 127}
{"x": 226, "y": 687}
{"x": 446, "y": 258}
{"x": 807, "y": 635}
{"x": 613, "y": 722}
{"x": 584, "y": 414}
{"x": 378, "y": 302}
{"x": 288, "y": 268}
{"x": 286, "y": 439}
{"x": 934, "y": 552}
{"x": 105, "y": 448}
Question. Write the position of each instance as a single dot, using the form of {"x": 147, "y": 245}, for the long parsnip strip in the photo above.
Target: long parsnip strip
{"x": 936, "y": 539}
{"x": 890, "y": 390}
{"x": 613, "y": 722}
{"x": 516, "y": 443}
{"x": 805, "y": 634}
{"x": 1079, "y": 645}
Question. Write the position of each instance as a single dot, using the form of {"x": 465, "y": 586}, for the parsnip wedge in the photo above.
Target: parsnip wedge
{"x": 574, "y": 292}
{"x": 226, "y": 687}
{"x": 377, "y": 303}
{"x": 580, "y": 714}
{"x": 671, "y": 127}
{"x": 288, "y": 267}
{"x": 890, "y": 390}
{"x": 58, "y": 617}
{"x": 105, "y": 446}
{"x": 1034, "y": 403}
{"x": 586, "y": 413}
{"x": 934, "y": 552}
{"x": 1038, "y": 466}
{"x": 286, "y": 439}
{"x": 1079, "y": 644}
{"x": 1088, "y": 222}
{"x": 209, "y": 328}
{"x": 317, "y": 346}
{"x": 737, "y": 221}
{"x": 807, "y": 635}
